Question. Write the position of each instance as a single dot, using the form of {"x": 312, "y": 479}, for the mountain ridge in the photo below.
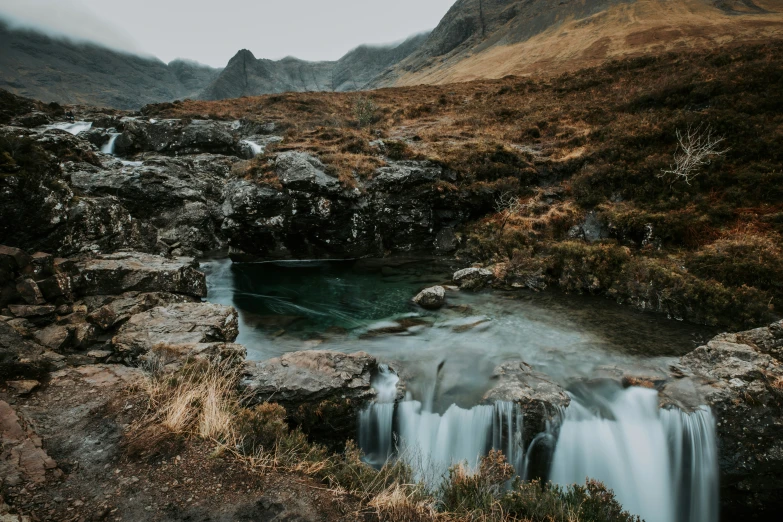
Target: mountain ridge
{"x": 489, "y": 39}
{"x": 246, "y": 75}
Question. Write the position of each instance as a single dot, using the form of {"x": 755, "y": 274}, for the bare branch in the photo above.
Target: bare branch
{"x": 696, "y": 148}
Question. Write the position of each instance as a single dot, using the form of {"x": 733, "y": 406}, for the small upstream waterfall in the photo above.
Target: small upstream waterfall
{"x": 108, "y": 147}
{"x": 74, "y": 128}
{"x": 256, "y": 148}
{"x": 661, "y": 464}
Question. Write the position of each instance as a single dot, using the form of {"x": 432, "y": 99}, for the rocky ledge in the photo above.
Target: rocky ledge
{"x": 740, "y": 377}
{"x": 182, "y": 190}
{"x": 322, "y": 391}
{"x": 59, "y": 312}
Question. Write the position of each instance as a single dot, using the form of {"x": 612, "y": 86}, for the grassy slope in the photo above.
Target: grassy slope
{"x": 629, "y": 29}
{"x": 591, "y": 141}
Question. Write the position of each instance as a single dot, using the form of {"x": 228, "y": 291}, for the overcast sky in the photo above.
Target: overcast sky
{"x": 212, "y": 31}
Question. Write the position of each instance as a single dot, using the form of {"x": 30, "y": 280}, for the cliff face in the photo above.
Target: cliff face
{"x": 245, "y": 75}
{"x": 495, "y": 38}
{"x": 49, "y": 69}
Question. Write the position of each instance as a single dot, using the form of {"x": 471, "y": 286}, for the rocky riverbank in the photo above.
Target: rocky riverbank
{"x": 78, "y": 334}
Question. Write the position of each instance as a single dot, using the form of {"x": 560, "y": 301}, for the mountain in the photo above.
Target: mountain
{"x": 495, "y": 38}
{"x": 52, "y": 69}
{"x": 245, "y": 75}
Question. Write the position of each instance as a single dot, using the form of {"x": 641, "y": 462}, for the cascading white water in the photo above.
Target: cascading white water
{"x": 432, "y": 442}
{"x": 662, "y": 465}
{"x": 73, "y": 127}
{"x": 108, "y": 147}
{"x": 256, "y": 149}
{"x": 694, "y": 457}
{"x": 375, "y": 435}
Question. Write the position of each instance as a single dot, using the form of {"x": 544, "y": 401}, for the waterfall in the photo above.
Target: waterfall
{"x": 661, "y": 464}
{"x": 108, "y": 147}
{"x": 432, "y": 442}
{"x": 254, "y": 147}
{"x": 376, "y": 431}
{"x": 694, "y": 459}
{"x": 73, "y": 127}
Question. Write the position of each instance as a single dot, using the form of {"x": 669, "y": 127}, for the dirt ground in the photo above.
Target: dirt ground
{"x": 80, "y": 415}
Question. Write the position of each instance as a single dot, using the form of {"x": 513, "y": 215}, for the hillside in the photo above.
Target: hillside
{"x": 494, "y": 38}
{"x": 48, "y": 69}
{"x": 247, "y": 76}
{"x": 585, "y": 153}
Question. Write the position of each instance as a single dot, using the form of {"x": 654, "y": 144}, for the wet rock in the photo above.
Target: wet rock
{"x": 133, "y": 271}
{"x": 446, "y": 241}
{"x": 540, "y": 399}
{"x": 473, "y": 279}
{"x": 22, "y": 458}
{"x": 406, "y": 208}
{"x": 118, "y": 310}
{"x": 743, "y": 386}
{"x": 42, "y": 265}
{"x": 55, "y": 337}
{"x": 322, "y": 391}
{"x": 177, "y": 324}
{"x": 33, "y": 119}
{"x": 103, "y": 224}
{"x": 24, "y": 387}
{"x": 431, "y": 298}
{"x": 36, "y": 314}
{"x": 176, "y": 137}
{"x": 29, "y": 291}
{"x": 302, "y": 171}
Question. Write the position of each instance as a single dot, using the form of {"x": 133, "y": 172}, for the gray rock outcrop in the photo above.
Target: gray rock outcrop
{"x": 539, "y": 398}
{"x": 473, "y": 279}
{"x": 322, "y": 391}
{"x": 740, "y": 377}
{"x": 133, "y": 271}
{"x": 175, "y": 325}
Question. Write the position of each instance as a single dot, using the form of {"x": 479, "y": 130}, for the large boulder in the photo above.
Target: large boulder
{"x": 176, "y": 324}
{"x": 306, "y": 212}
{"x": 20, "y": 358}
{"x": 431, "y": 298}
{"x": 473, "y": 279}
{"x": 304, "y": 172}
{"x": 103, "y": 224}
{"x": 180, "y": 197}
{"x": 118, "y": 310}
{"x": 133, "y": 271}
{"x": 322, "y": 391}
{"x": 539, "y": 398}
{"x": 409, "y": 207}
{"x": 176, "y": 137}
{"x": 740, "y": 377}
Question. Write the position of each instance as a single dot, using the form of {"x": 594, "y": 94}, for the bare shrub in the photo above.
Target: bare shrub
{"x": 508, "y": 204}
{"x": 697, "y": 147}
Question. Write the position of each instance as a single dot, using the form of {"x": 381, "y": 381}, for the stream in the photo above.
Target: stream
{"x": 662, "y": 464}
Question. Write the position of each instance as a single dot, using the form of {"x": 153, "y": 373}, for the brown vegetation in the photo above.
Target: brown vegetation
{"x": 588, "y": 142}
{"x": 201, "y": 401}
